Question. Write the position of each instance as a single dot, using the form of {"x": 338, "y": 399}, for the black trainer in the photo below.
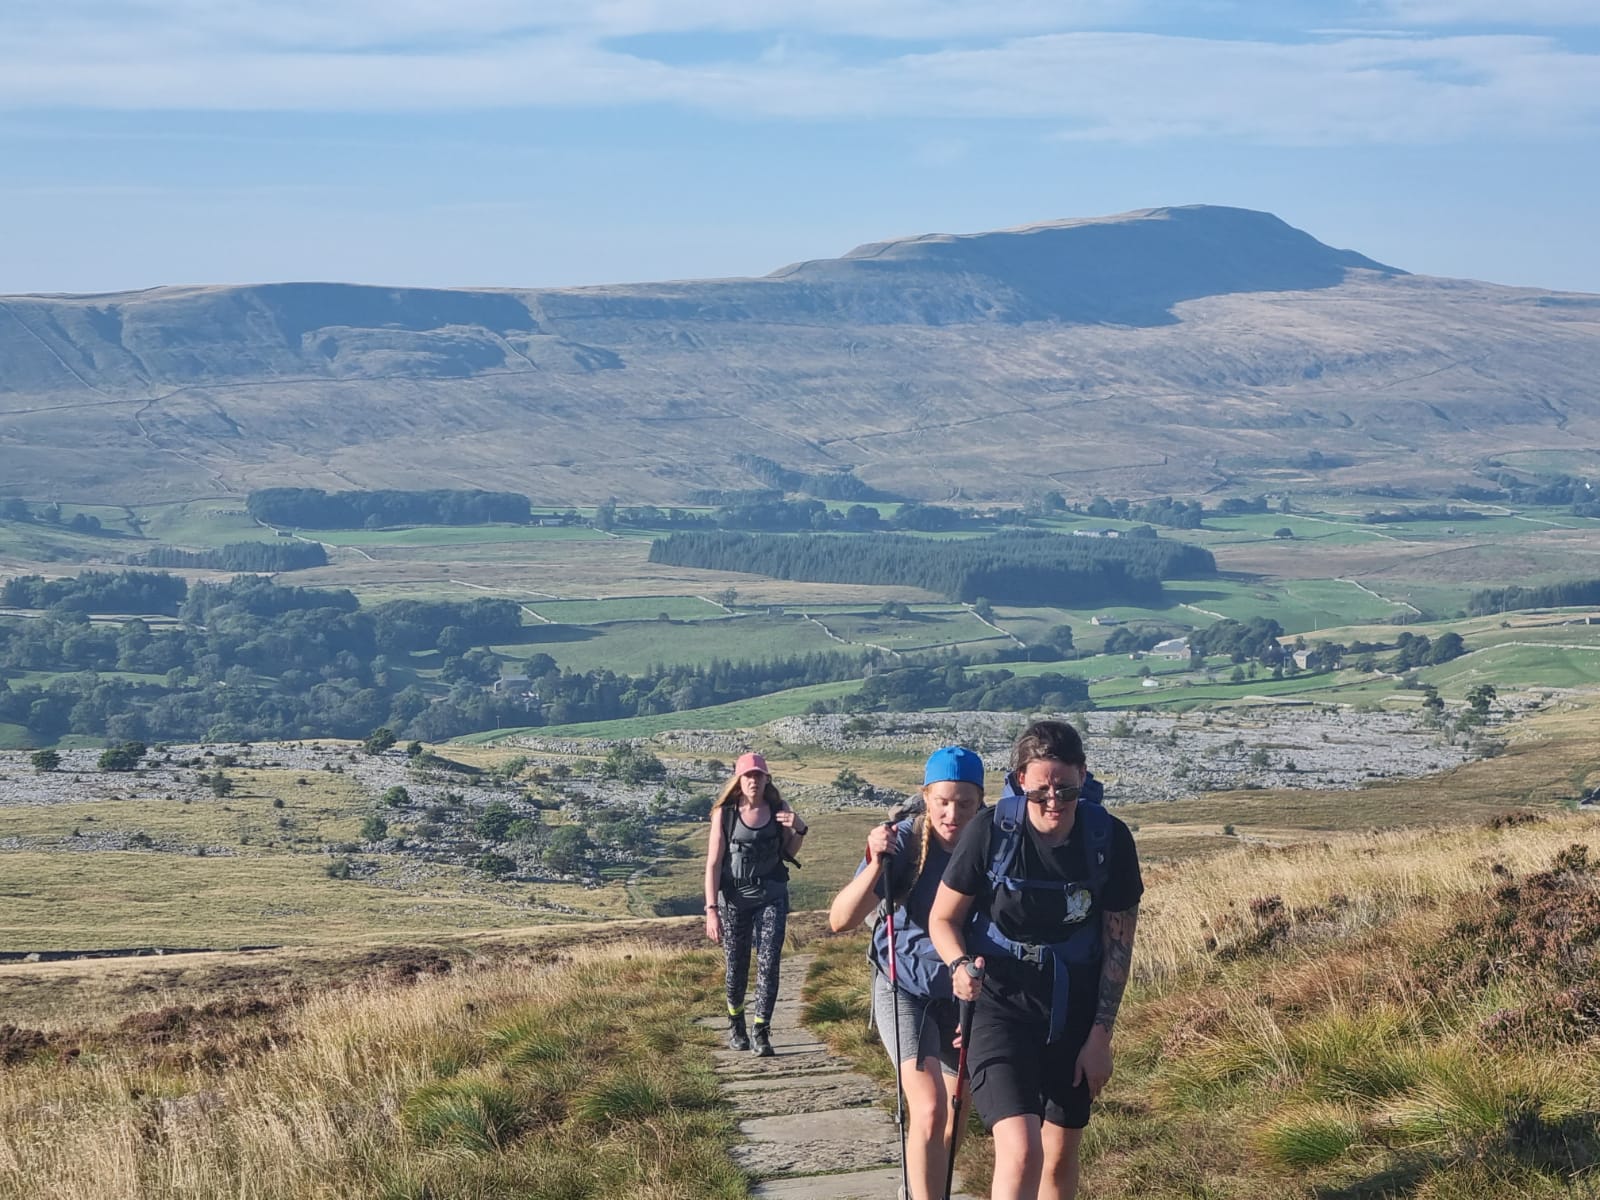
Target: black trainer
{"x": 738, "y": 1039}
{"x": 760, "y": 1043}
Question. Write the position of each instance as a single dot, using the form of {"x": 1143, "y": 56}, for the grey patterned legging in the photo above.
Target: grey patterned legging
{"x": 764, "y": 925}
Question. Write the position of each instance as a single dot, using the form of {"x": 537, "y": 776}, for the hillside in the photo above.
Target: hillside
{"x": 1168, "y": 350}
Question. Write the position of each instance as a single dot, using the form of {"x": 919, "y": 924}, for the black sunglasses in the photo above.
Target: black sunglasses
{"x": 1064, "y": 793}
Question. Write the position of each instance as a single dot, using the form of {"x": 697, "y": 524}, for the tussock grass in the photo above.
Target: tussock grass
{"x": 581, "y": 1080}
{"x": 1313, "y": 1136}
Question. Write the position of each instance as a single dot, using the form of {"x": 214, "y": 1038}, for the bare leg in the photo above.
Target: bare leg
{"x": 1059, "y": 1180}
{"x": 1018, "y": 1158}
{"x": 927, "y": 1119}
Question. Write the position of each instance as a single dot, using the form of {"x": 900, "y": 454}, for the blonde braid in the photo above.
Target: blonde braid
{"x": 922, "y": 849}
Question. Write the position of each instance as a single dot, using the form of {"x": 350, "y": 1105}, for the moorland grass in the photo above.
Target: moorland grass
{"x": 574, "y": 1080}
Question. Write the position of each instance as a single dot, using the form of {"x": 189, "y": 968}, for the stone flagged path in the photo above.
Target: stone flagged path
{"x": 812, "y": 1126}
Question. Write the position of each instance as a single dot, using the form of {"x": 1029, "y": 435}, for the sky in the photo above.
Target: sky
{"x": 538, "y": 143}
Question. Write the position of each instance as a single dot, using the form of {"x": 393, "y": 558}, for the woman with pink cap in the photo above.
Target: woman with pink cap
{"x": 753, "y": 832}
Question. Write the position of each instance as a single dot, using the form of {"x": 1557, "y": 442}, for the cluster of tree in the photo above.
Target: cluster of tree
{"x": 313, "y": 508}
{"x": 1125, "y": 639}
{"x": 240, "y": 556}
{"x": 716, "y": 497}
{"x": 1418, "y": 650}
{"x": 1567, "y": 594}
{"x": 1433, "y": 512}
{"x": 1242, "y": 641}
{"x": 98, "y": 592}
{"x": 1572, "y": 490}
{"x": 1235, "y": 506}
{"x": 770, "y": 513}
{"x": 254, "y": 660}
{"x": 1180, "y": 514}
{"x": 1009, "y": 568}
{"x": 14, "y": 508}
{"x": 1316, "y": 460}
{"x": 912, "y": 689}
{"x": 824, "y": 485}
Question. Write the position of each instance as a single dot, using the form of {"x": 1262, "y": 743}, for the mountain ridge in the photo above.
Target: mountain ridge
{"x": 1183, "y": 346}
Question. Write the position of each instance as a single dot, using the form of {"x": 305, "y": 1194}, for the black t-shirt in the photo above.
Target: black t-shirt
{"x": 1041, "y": 915}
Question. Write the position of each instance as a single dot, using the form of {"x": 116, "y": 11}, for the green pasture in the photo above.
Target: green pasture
{"x": 738, "y": 714}
{"x": 16, "y": 737}
{"x": 633, "y": 647}
{"x": 624, "y": 608}
{"x": 455, "y": 535}
{"x": 31, "y": 542}
{"x": 926, "y": 628}
{"x": 1511, "y": 666}
{"x": 201, "y": 523}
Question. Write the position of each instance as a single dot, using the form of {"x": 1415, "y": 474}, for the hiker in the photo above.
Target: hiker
{"x": 911, "y": 854}
{"x": 753, "y": 832}
{"x": 1041, "y": 897}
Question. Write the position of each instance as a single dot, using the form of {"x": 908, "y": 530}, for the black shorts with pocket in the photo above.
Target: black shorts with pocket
{"x": 1015, "y": 1071}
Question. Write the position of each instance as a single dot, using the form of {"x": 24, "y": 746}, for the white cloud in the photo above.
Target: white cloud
{"x": 1501, "y": 13}
{"x": 418, "y": 55}
{"x": 345, "y": 24}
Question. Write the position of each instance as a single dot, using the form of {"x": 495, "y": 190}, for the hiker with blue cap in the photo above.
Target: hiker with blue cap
{"x": 913, "y": 1005}
{"x": 1035, "y": 920}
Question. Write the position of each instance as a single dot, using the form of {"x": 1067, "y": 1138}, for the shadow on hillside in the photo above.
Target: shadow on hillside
{"x": 1121, "y": 272}
{"x": 545, "y": 635}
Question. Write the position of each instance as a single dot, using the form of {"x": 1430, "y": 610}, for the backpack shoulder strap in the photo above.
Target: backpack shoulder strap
{"x": 1006, "y": 838}
{"x": 1097, "y": 844}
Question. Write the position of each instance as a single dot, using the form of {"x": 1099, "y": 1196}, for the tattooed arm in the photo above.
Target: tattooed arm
{"x": 1118, "y": 943}
{"x": 1094, "y": 1060}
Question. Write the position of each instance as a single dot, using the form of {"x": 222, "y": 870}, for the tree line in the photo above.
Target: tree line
{"x": 313, "y": 508}
{"x": 285, "y": 555}
{"x": 1433, "y": 512}
{"x": 152, "y": 592}
{"x": 1569, "y": 593}
{"x": 824, "y": 485}
{"x": 917, "y": 688}
{"x": 1008, "y": 568}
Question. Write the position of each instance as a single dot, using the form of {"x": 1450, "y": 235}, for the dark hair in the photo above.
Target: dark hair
{"x": 1056, "y": 740}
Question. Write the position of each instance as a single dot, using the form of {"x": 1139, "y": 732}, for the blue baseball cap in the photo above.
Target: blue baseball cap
{"x": 953, "y": 764}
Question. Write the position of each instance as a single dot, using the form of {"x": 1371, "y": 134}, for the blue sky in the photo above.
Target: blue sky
{"x": 556, "y": 142}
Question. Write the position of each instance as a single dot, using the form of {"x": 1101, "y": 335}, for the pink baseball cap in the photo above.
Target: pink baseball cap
{"x": 748, "y": 763}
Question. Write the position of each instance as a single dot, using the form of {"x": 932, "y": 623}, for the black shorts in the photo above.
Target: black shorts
{"x": 1015, "y": 1071}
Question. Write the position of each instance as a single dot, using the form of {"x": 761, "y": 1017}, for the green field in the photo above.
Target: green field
{"x": 455, "y": 535}
{"x": 738, "y": 714}
{"x": 625, "y": 608}
{"x": 633, "y": 647}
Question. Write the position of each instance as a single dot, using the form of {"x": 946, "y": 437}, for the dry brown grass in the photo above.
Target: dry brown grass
{"x": 580, "y": 1077}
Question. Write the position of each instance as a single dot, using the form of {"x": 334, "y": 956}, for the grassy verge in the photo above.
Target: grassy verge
{"x": 579, "y": 1079}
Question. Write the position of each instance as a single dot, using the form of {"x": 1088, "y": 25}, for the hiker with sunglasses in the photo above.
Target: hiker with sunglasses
{"x": 912, "y": 1005}
{"x": 1042, "y": 896}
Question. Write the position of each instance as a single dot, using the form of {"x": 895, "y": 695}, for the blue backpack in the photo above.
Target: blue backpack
{"x": 1083, "y": 946}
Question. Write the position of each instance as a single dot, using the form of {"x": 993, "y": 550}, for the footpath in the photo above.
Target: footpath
{"x": 812, "y": 1127}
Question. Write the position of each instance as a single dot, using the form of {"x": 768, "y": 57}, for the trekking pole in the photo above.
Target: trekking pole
{"x": 961, "y": 1079}
{"x": 894, "y": 1005}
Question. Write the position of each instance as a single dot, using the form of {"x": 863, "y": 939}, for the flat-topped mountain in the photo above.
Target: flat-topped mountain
{"x": 1165, "y": 350}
